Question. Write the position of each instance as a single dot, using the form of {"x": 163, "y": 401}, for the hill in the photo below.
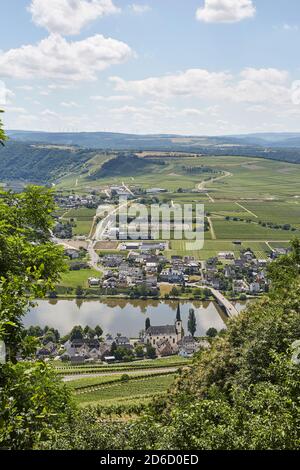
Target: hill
{"x": 40, "y": 164}
{"x": 281, "y": 147}
{"x": 126, "y": 165}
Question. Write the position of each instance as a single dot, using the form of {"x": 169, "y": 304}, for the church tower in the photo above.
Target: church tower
{"x": 178, "y": 324}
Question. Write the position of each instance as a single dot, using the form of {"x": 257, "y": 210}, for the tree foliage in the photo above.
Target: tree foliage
{"x": 3, "y": 136}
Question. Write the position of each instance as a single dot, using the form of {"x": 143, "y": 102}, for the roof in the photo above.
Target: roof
{"x": 161, "y": 330}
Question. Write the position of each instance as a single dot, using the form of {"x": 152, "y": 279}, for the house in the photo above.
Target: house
{"x": 94, "y": 282}
{"x": 172, "y": 276}
{"x": 121, "y": 340}
{"x": 226, "y": 255}
{"x": 239, "y": 286}
{"x": 72, "y": 253}
{"x": 188, "y": 346}
{"x": 173, "y": 333}
{"x": 254, "y": 288}
{"x": 164, "y": 348}
{"x": 248, "y": 256}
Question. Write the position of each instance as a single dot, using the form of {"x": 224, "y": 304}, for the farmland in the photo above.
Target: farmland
{"x": 129, "y": 392}
{"x": 246, "y": 199}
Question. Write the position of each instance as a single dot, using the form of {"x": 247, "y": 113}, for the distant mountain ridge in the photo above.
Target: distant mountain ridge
{"x": 117, "y": 141}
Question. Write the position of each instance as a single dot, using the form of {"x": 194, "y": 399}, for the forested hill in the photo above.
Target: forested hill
{"x": 281, "y": 147}
{"x": 40, "y": 164}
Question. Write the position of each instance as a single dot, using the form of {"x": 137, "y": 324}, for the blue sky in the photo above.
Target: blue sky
{"x": 152, "y": 66}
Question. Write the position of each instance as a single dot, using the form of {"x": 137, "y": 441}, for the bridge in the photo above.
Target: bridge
{"x": 230, "y": 309}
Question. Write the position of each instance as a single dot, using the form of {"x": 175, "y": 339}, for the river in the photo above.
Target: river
{"x": 123, "y": 316}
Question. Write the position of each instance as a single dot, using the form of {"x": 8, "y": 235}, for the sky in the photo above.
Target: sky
{"x": 191, "y": 67}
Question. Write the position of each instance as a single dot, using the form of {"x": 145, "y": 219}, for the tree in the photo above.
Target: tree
{"x": 212, "y": 332}
{"x": 33, "y": 401}
{"x": 174, "y": 292}
{"x": 3, "y": 136}
{"x": 79, "y": 292}
{"x": 30, "y": 263}
{"x": 178, "y": 314}
{"x": 192, "y": 322}
{"x": 76, "y": 333}
{"x": 113, "y": 348}
{"x": 33, "y": 405}
{"x": 147, "y": 323}
{"x": 150, "y": 352}
{"x": 89, "y": 332}
{"x": 139, "y": 351}
{"x": 98, "y": 331}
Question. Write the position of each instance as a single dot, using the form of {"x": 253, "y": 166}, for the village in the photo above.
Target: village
{"x": 144, "y": 268}
{"x": 89, "y": 345}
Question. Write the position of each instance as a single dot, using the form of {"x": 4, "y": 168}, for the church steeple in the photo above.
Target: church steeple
{"x": 178, "y": 314}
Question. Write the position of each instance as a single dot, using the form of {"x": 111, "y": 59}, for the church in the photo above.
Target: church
{"x": 165, "y": 338}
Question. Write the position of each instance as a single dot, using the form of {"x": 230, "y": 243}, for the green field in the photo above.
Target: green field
{"x": 74, "y": 279}
{"x": 251, "y": 189}
{"x": 133, "y": 391}
{"x": 229, "y": 230}
{"x": 81, "y": 218}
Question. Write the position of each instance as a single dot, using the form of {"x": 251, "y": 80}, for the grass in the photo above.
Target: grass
{"x": 74, "y": 279}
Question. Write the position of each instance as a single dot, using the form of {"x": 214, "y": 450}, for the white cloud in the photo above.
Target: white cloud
{"x": 192, "y": 82}
{"x": 140, "y": 8}
{"x": 265, "y": 75}
{"x": 113, "y": 98}
{"x": 225, "y": 11}
{"x": 250, "y": 86}
{"x": 56, "y": 58}
{"x": 68, "y": 17}
{"x": 5, "y": 94}
{"x": 69, "y": 104}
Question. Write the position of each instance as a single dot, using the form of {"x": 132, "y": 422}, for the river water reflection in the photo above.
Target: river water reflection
{"x": 123, "y": 316}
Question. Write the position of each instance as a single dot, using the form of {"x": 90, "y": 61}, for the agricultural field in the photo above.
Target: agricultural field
{"x": 127, "y": 392}
{"x": 240, "y": 195}
{"x": 229, "y": 230}
{"x": 81, "y": 218}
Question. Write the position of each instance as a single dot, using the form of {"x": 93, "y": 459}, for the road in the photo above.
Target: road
{"x": 101, "y": 228}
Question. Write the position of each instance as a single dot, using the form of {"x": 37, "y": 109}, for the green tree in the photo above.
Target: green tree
{"x": 33, "y": 405}
{"x": 212, "y": 332}
{"x": 30, "y": 264}
{"x": 98, "y": 331}
{"x": 76, "y": 333}
{"x": 192, "y": 322}
{"x": 150, "y": 352}
{"x": 89, "y": 332}
{"x": 79, "y": 292}
{"x": 174, "y": 292}
{"x": 3, "y": 136}
{"x": 139, "y": 351}
{"x": 147, "y": 324}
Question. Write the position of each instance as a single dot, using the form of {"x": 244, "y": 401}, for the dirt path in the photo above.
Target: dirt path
{"x": 247, "y": 210}
{"x": 212, "y": 230}
{"x": 202, "y": 186}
